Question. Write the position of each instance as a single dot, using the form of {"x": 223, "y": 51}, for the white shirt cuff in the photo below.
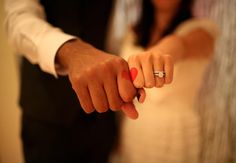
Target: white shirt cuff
{"x": 48, "y": 47}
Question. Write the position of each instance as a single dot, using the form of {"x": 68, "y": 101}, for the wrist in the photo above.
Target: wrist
{"x": 173, "y": 45}
{"x": 68, "y": 52}
{"x": 63, "y": 54}
{"x": 180, "y": 47}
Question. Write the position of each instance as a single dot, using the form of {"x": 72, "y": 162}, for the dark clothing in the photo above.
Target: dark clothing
{"x": 82, "y": 142}
{"x": 55, "y": 128}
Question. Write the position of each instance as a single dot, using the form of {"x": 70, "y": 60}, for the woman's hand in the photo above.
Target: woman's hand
{"x": 143, "y": 66}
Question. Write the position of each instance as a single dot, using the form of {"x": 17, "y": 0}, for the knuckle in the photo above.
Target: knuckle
{"x": 158, "y": 58}
{"x": 149, "y": 57}
{"x": 88, "y": 73}
{"x": 128, "y": 98}
{"x": 137, "y": 58}
{"x": 121, "y": 62}
{"x": 134, "y": 58}
{"x": 138, "y": 84}
{"x": 168, "y": 58}
{"x": 84, "y": 76}
{"x": 106, "y": 72}
{"x": 105, "y": 67}
{"x": 144, "y": 54}
{"x": 77, "y": 81}
{"x": 76, "y": 78}
{"x": 131, "y": 58}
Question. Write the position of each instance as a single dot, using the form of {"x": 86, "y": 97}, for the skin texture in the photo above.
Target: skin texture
{"x": 155, "y": 60}
{"x": 162, "y": 56}
{"x": 125, "y": 75}
{"x": 99, "y": 91}
{"x": 162, "y": 53}
{"x": 166, "y": 5}
{"x": 98, "y": 78}
{"x": 146, "y": 63}
{"x": 133, "y": 73}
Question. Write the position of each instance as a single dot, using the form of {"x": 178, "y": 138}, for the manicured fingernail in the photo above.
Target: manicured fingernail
{"x": 133, "y": 73}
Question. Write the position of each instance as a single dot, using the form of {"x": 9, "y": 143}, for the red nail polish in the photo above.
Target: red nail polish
{"x": 133, "y": 73}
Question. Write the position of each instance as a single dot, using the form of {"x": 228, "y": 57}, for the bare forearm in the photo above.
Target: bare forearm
{"x": 198, "y": 43}
{"x": 172, "y": 45}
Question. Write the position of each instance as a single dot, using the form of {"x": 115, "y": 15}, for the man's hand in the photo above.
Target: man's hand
{"x": 100, "y": 80}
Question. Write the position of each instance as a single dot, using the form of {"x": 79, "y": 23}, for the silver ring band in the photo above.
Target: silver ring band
{"x": 160, "y": 74}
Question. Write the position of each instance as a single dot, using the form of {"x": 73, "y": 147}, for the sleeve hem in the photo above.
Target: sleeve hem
{"x": 48, "y": 48}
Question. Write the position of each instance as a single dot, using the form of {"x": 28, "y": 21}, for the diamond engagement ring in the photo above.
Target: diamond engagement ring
{"x": 159, "y": 74}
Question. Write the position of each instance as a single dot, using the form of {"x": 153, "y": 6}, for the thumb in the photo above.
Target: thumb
{"x": 130, "y": 110}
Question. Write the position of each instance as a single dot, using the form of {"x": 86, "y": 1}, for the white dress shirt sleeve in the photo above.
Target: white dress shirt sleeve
{"x": 31, "y": 35}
